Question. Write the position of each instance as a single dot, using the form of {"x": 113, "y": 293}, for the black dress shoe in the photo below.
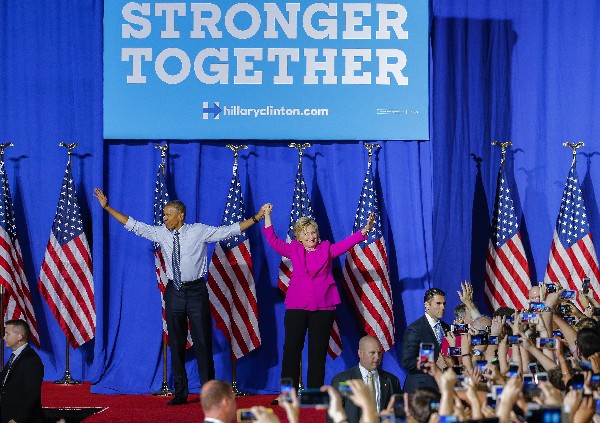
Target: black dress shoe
{"x": 177, "y": 401}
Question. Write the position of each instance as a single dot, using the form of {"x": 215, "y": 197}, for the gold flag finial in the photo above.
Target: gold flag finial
{"x": 299, "y": 147}
{"x": 236, "y": 150}
{"x": 504, "y": 146}
{"x": 69, "y": 148}
{"x": 2, "y": 148}
{"x": 574, "y": 146}
{"x": 371, "y": 147}
{"x": 163, "y": 156}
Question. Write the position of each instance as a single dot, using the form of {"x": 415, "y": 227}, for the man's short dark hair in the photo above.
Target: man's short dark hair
{"x": 432, "y": 292}
{"x": 21, "y": 326}
{"x": 177, "y": 205}
{"x": 504, "y": 312}
{"x": 588, "y": 342}
{"x": 419, "y": 403}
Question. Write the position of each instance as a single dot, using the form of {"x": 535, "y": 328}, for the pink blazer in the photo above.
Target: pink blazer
{"x": 312, "y": 286}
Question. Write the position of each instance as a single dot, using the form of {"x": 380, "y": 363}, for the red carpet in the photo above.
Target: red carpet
{"x": 148, "y": 408}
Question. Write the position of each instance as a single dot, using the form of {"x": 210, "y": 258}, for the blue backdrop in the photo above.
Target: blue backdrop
{"x": 526, "y": 72}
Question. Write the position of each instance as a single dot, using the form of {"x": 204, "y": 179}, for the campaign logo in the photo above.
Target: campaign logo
{"x": 207, "y": 111}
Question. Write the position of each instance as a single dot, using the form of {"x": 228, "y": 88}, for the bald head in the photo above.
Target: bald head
{"x": 218, "y": 401}
{"x": 534, "y": 294}
{"x": 369, "y": 352}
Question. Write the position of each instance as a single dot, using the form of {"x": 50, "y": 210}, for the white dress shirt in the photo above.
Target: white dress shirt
{"x": 364, "y": 373}
{"x": 192, "y": 244}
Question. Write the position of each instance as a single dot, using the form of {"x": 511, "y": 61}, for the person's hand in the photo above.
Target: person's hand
{"x": 526, "y": 343}
{"x": 510, "y": 394}
{"x": 292, "y": 409}
{"x": 335, "y": 410}
{"x": 102, "y": 199}
{"x": 586, "y": 410}
{"x": 497, "y": 325}
{"x": 431, "y": 369}
{"x": 465, "y": 344}
{"x": 266, "y": 209}
{"x": 572, "y": 400}
{"x": 595, "y": 360}
{"x": 552, "y": 396}
{"x": 369, "y": 225}
{"x": 487, "y": 411}
{"x": 490, "y": 372}
{"x": 451, "y": 338}
{"x": 263, "y": 415}
{"x": 466, "y": 294}
{"x": 553, "y": 298}
{"x": 363, "y": 398}
{"x": 447, "y": 380}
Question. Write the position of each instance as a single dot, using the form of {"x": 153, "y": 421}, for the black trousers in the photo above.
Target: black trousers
{"x": 191, "y": 302}
{"x": 319, "y": 324}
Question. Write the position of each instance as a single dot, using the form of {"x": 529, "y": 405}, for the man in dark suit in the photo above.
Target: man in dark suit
{"x": 426, "y": 329}
{"x": 385, "y": 384}
{"x": 218, "y": 402}
{"x": 21, "y": 378}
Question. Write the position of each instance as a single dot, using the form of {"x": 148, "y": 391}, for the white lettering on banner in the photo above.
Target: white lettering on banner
{"x": 247, "y": 65}
{"x": 391, "y": 62}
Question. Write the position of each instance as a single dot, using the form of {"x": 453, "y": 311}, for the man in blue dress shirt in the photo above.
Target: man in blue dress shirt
{"x": 186, "y": 295}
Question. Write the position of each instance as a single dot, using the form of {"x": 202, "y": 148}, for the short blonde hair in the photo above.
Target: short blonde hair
{"x": 302, "y": 223}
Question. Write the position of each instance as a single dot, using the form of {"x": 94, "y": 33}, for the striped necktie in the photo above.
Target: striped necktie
{"x": 175, "y": 262}
{"x": 439, "y": 332}
{"x": 10, "y": 362}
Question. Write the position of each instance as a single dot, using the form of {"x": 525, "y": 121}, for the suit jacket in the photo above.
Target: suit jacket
{"x": 21, "y": 398}
{"x": 418, "y": 331}
{"x": 312, "y": 279}
{"x": 388, "y": 386}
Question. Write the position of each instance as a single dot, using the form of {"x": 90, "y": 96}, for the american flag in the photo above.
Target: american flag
{"x": 17, "y": 301}
{"x": 366, "y": 274}
{"x": 301, "y": 207}
{"x": 507, "y": 281}
{"x": 572, "y": 256}
{"x": 161, "y": 197}
{"x": 66, "y": 280}
{"x": 231, "y": 282}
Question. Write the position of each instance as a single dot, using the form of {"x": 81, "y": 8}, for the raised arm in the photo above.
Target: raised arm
{"x": 103, "y": 200}
{"x": 254, "y": 219}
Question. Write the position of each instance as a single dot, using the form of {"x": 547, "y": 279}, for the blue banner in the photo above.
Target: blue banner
{"x": 308, "y": 71}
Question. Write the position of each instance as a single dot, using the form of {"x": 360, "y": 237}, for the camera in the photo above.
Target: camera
{"x": 459, "y": 329}
{"x": 531, "y": 318}
{"x": 426, "y": 353}
{"x": 536, "y": 307}
{"x": 454, "y": 351}
{"x": 543, "y": 414}
{"x": 513, "y": 369}
{"x": 585, "y": 286}
{"x": 595, "y": 382}
{"x": 541, "y": 377}
{"x": 313, "y": 397}
{"x": 549, "y": 343}
{"x": 568, "y": 294}
{"x": 245, "y": 415}
{"x": 564, "y": 310}
{"x": 557, "y": 334}
{"x": 494, "y": 340}
{"x": 480, "y": 339}
{"x": 497, "y": 390}
{"x": 550, "y": 288}
{"x": 513, "y": 339}
{"x": 344, "y": 389}
{"x": 533, "y": 367}
{"x": 490, "y": 400}
{"x": 285, "y": 389}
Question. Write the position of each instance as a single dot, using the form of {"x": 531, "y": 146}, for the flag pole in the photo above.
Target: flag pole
{"x": 237, "y": 392}
{"x": 300, "y": 148}
{"x": 67, "y": 379}
{"x": 164, "y": 388}
{"x": 2, "y": 147}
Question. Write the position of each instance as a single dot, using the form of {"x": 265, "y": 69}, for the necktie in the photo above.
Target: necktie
{"x": 439, "y": 333}
{"x": 175, "y": 262}
{"x": 371, "y": 385}
{"x": 10, "y": 362}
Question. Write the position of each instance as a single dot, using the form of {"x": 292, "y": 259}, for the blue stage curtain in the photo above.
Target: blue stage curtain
{"x": 504, "y": 70}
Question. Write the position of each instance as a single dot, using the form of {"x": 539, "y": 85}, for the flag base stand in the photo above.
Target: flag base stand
{"x": 164, "y": 391}
{"x": 67, "y": 380}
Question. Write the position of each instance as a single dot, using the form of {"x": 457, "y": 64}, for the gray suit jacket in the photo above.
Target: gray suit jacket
{"x": 388, "y": 386}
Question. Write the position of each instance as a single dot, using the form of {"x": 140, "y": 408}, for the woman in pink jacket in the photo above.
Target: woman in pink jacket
{"x": 312, "y": 294}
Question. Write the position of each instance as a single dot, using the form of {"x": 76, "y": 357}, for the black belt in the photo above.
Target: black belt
{"x": 190, "y": 283}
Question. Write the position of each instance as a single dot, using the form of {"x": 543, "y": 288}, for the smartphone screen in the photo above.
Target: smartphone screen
{"x": 513, "y": 339}
{"x": 513, "y": 369}
{"x": 454, "y": 351}
{"x": 537, "y": 307}
{"x": 541, "y": 377}
{"x": 399, "y": 406}
{"x": 550, "y": 288}
{"x": 557, "y": 334}
{"x": 478, "y": 340}
{"x": 490, "y": 400}
{"x": 344, "y": 389}
{"x": 595, "y": 382}
{"x": 533, "y": 368}
{"x": 568, "y": 294}
{"x": 548, "y": 343}
{"x": 494, "y": 340}
{"x": 577, "y": 381}
{"x": 426, "y": 353}
{"x": 459, "y": 329}
{"x": 529, "y": 318}
{"x": 245, "y": 415}
{"x": 285, "y": 389}
{"x": 313, "y": 397}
